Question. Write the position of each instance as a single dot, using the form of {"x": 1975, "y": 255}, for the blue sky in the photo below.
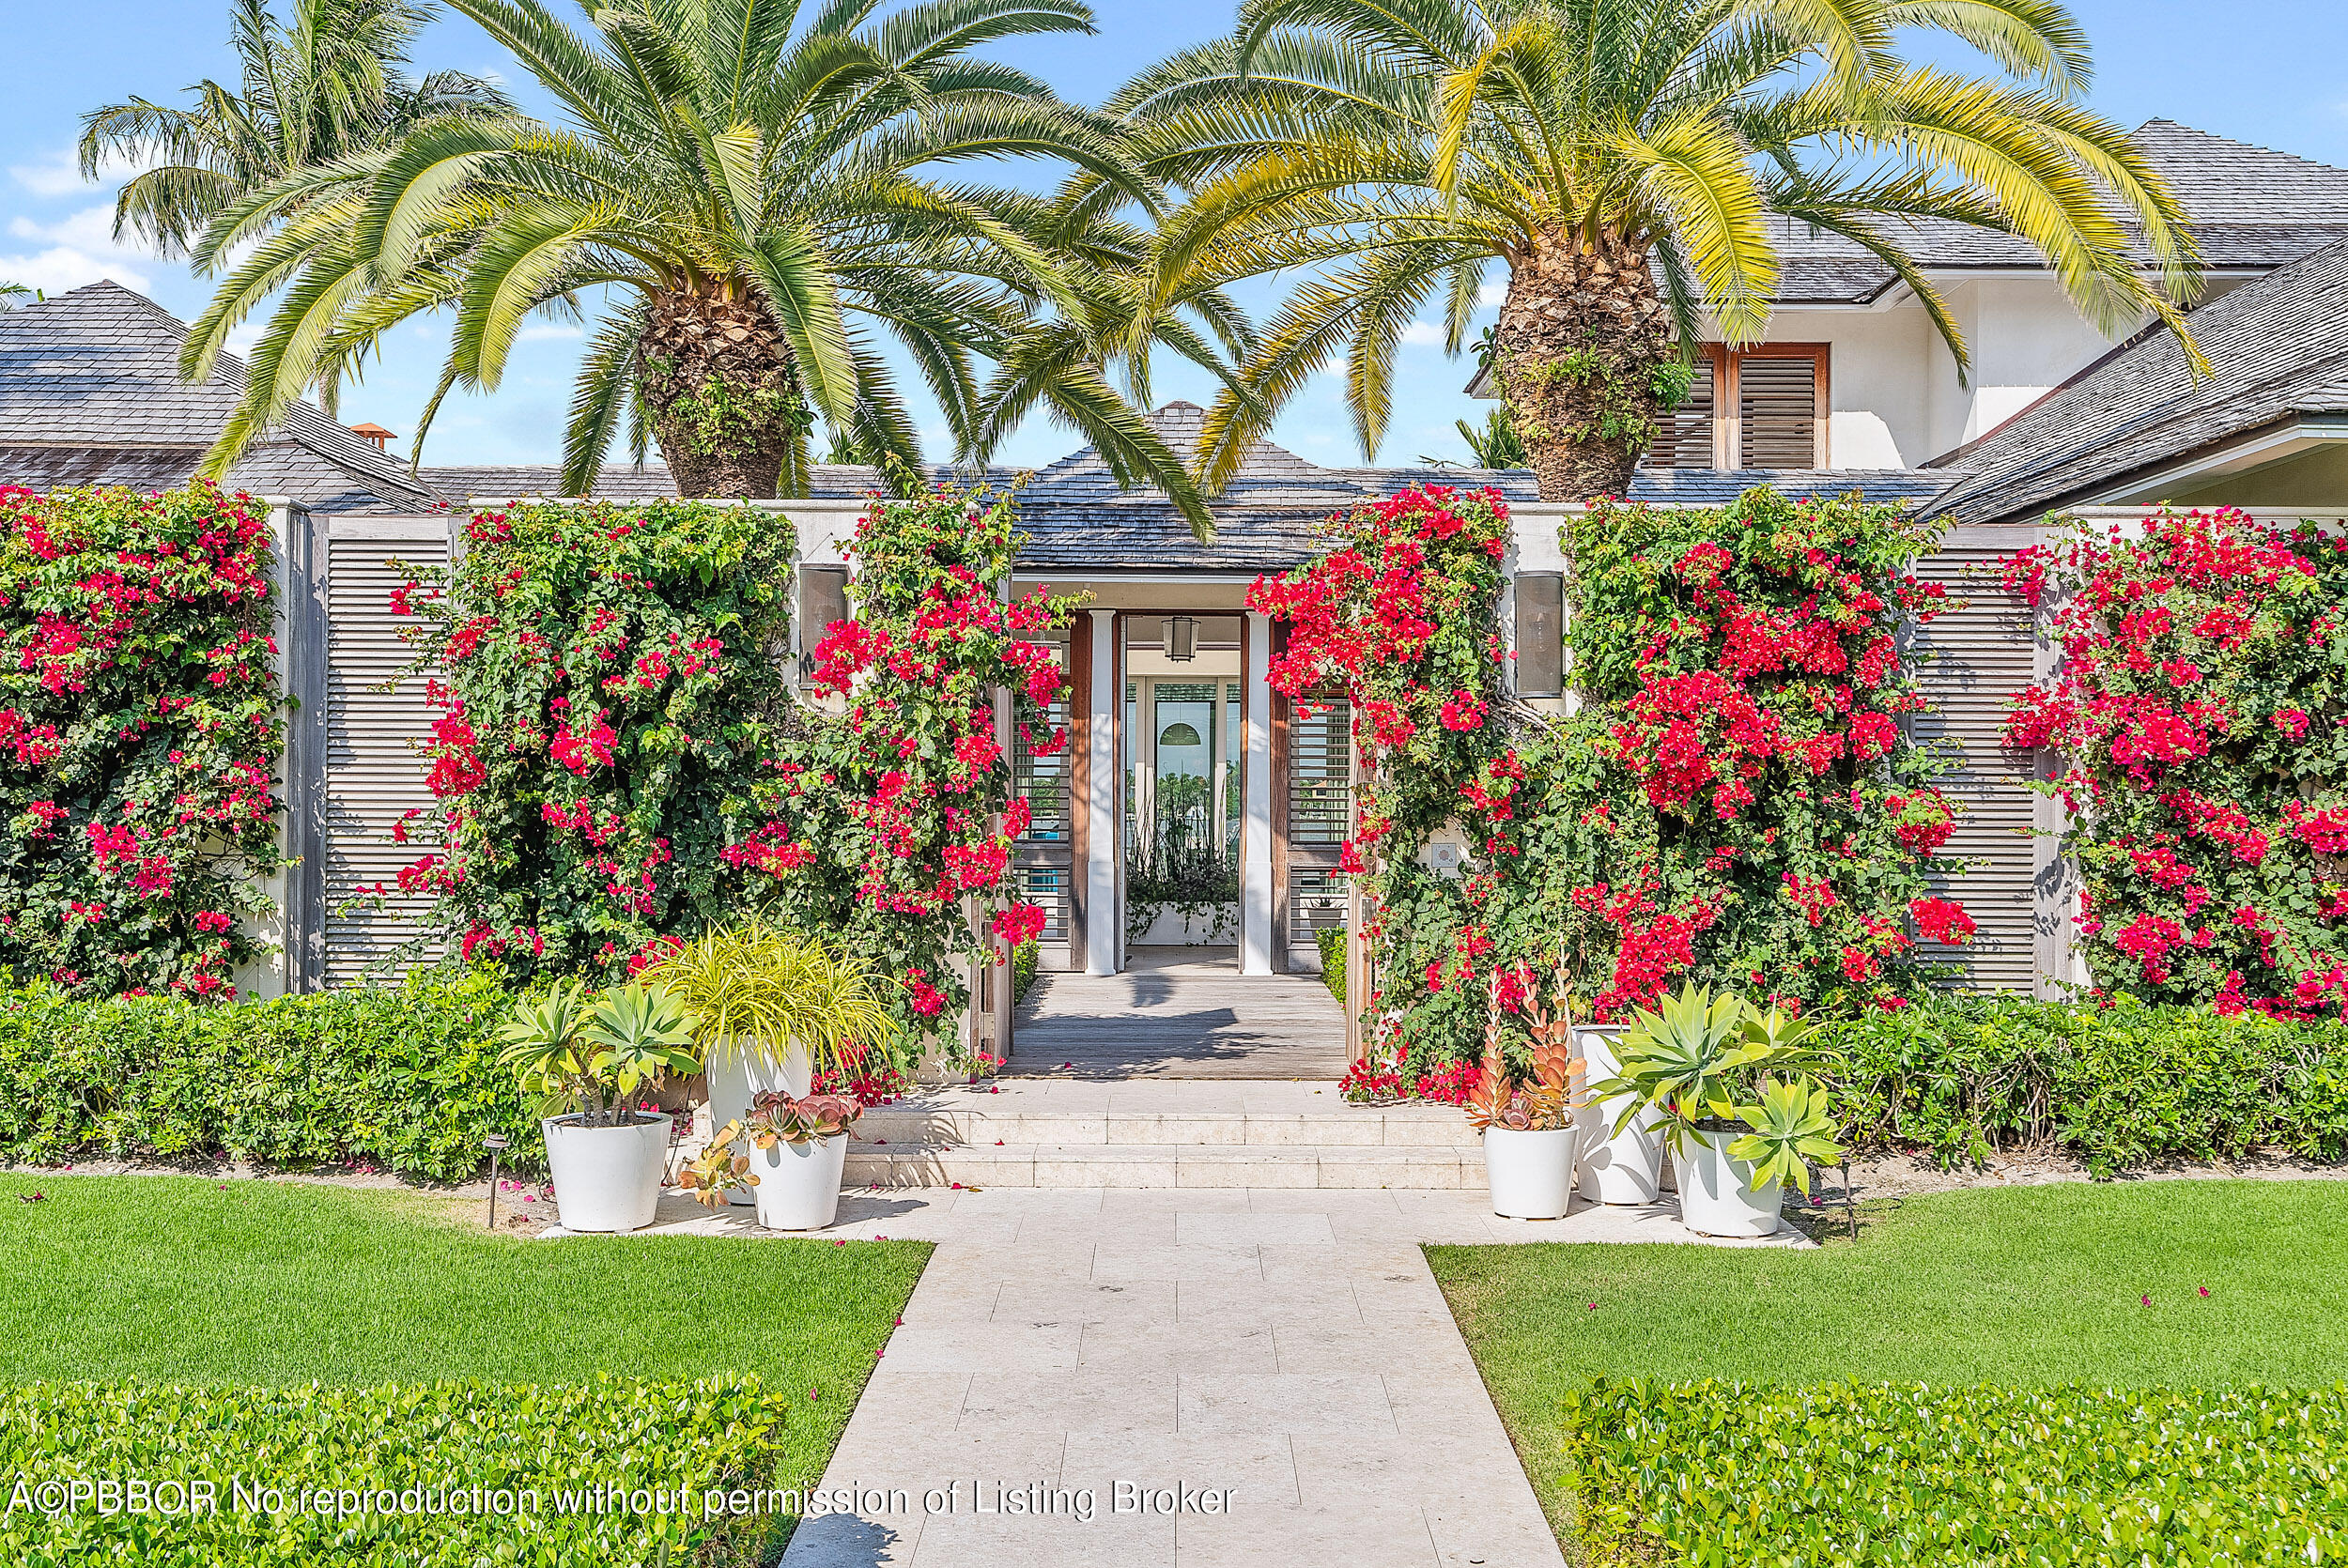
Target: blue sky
{"x": 2261, "y": 71}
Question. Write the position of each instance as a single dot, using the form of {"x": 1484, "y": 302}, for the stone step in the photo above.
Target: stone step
{"x": 1350, "y": 1126}
{"x": 1428, "y": 1167}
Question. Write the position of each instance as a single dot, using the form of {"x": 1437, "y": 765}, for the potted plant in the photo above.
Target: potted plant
{"x": 1740, "y": 1122}
{"x": 789, "y": 1151}
{"x": 588, "y": 1061}
{"x": 1618, "y": 1157}
{"x": 768, "y": 1009}
{"x": 1528, "y": 1129}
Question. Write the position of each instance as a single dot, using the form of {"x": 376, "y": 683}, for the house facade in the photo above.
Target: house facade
{"x": 1181, "y": 746}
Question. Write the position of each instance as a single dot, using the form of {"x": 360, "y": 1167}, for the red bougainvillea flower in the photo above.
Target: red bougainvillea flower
{"x": 1944, "y": 920}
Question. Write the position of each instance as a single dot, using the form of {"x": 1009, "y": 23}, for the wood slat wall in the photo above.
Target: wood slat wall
{"x": 1984, "y": 654}
{"x": 375, "y": 766}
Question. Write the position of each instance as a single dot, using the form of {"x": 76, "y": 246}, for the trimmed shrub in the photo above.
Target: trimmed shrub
{"x": 2116, "y": 1086}
{"x": 1331, "y": 941}
{"x": 1718, "y": 1473}
{"x": 405, "y": 1078}
{"x": 387, "y": 1478}
{"x": 140, "y": 729}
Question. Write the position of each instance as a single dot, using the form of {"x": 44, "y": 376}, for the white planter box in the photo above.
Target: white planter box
{"x": 1717, "y": 1195}
{"x": 798, "y": 1183}
{"x": 1531, "y": 1173}
{"x": 733, "y": 1080}
{"x": 1617, "y": 1168}
{"x": 1170, "y": 928}
{"x": 607, "y": 1179}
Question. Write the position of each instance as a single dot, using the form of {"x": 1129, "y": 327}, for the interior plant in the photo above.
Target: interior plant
{"x": 606, "y": 1152}
{"x": 1742, "y": 1114}
{"x": 800, "y": 1140}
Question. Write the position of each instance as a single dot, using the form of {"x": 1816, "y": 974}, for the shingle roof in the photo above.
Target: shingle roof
{"x": 89, "y": 386}
{"x": 2278, "y": 347}
{"x": 1077, "y": 520}
{"x": 2251, "y": 206}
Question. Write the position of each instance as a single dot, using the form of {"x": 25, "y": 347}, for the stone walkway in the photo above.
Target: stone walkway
{"x": 1215, "y": 1377}
{"x": 1173, "y": 1015}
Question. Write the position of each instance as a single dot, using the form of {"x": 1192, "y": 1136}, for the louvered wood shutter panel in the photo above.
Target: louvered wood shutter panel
{"x": 1683, "y": 437}
{"x": 1984, "y": 656}
{"x": 374, "y": 763}
{"x": 1777, "y": 412}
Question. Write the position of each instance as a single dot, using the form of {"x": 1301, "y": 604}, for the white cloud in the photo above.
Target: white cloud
{"x": 240, "y": 340}
{"x": 59, "y": 174}
{"x": 1491, "y": 293}
{"x": 539, "y": 331}
{"x": 1425, "y": 334}
{"x": 77, "y": 249}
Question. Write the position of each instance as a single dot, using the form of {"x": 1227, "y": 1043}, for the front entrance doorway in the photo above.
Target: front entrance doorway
{"x": 1185, "y": 740}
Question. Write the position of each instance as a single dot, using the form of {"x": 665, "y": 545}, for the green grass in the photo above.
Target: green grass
{"x": 176, "y": 1279}
{"x": 2017, "y": 1285}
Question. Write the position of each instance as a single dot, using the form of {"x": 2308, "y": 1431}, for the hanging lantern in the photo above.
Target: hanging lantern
{"x": 1181, "y": 638}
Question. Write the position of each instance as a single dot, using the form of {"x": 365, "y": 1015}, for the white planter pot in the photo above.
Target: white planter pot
{"x": 798, "y": 1183}
{"x": 607, "y": 1179}
{"x": 736, "y": 1078}
{"x": 1531, "y": 1173}
{"x": 1625, "y": 1167}
{"x": 1717, "y": 1196}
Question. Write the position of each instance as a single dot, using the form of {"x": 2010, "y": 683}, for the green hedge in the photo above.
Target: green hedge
{"x": 1723, "y": 1475}
{"x": 264, "y": 1453}
{"x": 1331, "y": 941}
{"x": 2116, "y": 1086}
{"x": 405, "y": 1078}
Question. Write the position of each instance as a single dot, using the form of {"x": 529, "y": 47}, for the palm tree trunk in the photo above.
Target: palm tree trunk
{"x": 717, "y": 377}
{"x": 1582, "y": 335}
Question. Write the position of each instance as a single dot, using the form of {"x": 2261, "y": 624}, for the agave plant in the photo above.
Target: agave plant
{"x": 1712, "y": 1064}
{"x": 592, "y": 1058}
{"x": 1792, "y": 1124}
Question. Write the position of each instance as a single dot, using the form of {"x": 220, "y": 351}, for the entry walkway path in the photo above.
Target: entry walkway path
{"x": 1271, "y": 1376}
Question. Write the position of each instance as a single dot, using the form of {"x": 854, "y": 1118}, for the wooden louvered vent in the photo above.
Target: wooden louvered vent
{"x": 1684, "y": 439}
{"x": 1984, "y": 654}
{"x": 1777, "y": 412}
{"x": 374, "y": 765}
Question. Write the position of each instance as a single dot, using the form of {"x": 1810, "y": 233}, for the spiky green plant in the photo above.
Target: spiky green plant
{"x": 754, "y": 200}
{"x": 592, "y": 1058}
{"x": 752, "y": 992}
{"x": 1791, "y": 1125}
{"x": 1634, "y": 166}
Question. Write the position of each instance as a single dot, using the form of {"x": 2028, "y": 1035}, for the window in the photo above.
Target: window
{"x": 1778, "y": 395}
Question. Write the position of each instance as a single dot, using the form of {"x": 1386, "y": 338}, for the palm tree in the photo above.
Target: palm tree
{"x": 1631, "y": 164}
{"x": 751, "y": 205}
{"x": 326, "y": 85}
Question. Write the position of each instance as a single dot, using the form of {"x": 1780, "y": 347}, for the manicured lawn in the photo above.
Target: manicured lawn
{"x": 2018, "y": 1285}
{"x": 188, "y": 1280}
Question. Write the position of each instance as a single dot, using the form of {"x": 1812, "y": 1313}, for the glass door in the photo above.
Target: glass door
{"x": 1181, "y": 787}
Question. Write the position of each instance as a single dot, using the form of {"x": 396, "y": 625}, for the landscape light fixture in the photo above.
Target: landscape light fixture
{"x": 493, "y": 1143}
{"x": 1181, "y": 638}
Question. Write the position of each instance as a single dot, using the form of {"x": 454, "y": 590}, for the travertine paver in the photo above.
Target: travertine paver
{"x": 1228, "y": 1376}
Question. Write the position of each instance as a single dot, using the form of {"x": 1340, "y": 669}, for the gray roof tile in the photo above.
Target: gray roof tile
{"x": 2251, "y": 206}
{"x": 95, "y": 372}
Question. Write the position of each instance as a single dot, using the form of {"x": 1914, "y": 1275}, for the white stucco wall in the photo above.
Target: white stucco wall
{"x": 1891, "y": 384}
